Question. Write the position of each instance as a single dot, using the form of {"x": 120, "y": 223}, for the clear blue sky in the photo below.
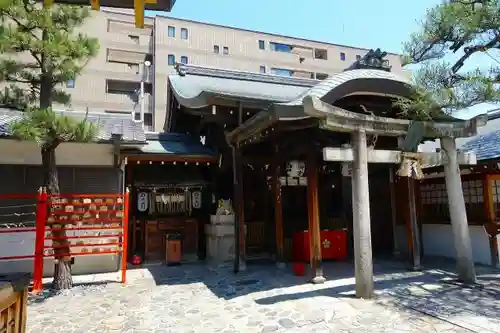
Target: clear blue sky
{"x": 363, "y": 23}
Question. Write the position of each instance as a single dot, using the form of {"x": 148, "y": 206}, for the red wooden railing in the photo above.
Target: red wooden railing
{"x": 58, "y": 215}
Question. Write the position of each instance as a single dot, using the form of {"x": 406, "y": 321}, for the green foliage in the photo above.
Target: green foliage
{"x": 48, "y": 128}
{"x": 40, "y": 49}
{"x": 458, "y": 31}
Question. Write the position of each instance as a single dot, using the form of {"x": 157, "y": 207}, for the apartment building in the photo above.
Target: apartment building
{"x": 111, "y": 81}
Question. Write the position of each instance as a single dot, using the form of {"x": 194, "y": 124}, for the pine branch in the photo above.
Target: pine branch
{"x": 441, "y": 86}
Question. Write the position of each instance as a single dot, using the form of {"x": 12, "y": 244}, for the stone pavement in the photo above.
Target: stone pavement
{"x": 201, "y": 298}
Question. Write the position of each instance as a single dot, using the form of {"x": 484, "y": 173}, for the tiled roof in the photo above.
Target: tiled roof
{"x": 486, "y": 144}
{"x": 176, "y": 144}
{"x": 108, "y": 124}
{"x": 194, "y": 86}
{"x": 324, "y": 87}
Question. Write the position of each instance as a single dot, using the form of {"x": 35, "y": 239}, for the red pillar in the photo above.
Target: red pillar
{"x": 40, "y": 220}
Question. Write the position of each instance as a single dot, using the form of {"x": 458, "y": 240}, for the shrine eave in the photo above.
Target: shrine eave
{"x": 336, "y": 119}
{"x": 197, "y": 87}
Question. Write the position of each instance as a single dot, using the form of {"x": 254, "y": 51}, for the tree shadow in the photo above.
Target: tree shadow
{"x": 258, "y": 277}
{"x": 78, "y": 288}
{"x": 433, "y": 292}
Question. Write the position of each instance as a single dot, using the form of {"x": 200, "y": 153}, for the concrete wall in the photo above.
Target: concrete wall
{"x": 67, "y": 154}
{"x": 18, "y": 244}
{"x": 438, "y": 241}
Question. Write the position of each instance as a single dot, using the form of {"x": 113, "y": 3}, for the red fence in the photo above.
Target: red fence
{"x": 75, "y": 224}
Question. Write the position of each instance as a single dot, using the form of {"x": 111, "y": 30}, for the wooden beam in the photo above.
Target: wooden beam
{"x": 313, "y": 219}
{"x": 337, "y": 119}
{"x": 332, "y": 154}
{"x": 134, "y": 158}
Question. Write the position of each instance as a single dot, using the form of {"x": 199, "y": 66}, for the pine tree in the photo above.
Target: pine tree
{"x": 39, "y": 52}
{"x": 449, "y": 52}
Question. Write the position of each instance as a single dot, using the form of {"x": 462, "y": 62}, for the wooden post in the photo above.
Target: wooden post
{"x": 413, "y": 226}
{"x": 125, "y": 226}
{"x": 41, "y": 219}
{"x": 395, "y": 249}
{"x": 278, "y": 211}
{"x": 313, "y": 219}
{"x": 491, "y": 227}
{"x": 239, "y": 264}
{"x": 458, "y": 214}
{"x": 363, "y": 264}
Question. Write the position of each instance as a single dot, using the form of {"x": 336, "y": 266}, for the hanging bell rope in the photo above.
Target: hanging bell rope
{"x": 411, "y": 166}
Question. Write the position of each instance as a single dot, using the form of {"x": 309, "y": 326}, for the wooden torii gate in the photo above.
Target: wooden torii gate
{"x": 139, "y": 6}
{"x": 360, "y": 125}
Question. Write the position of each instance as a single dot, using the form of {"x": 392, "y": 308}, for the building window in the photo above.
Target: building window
{"x": 171, "y": 31}
{"x": 321, "y": 54}
{"x": 342, "y": 56}
{"x": 70, "y": 84}
{"x": 171, "y": 59}
{"x": 216, "y": 49}
{"x": 128, "y": 88}
{"x": 279, "y": 47}
{"x": 184, "y": 60}
{"x": 358, "y": 57}
{"x": 263, "y": 69}
{"x": 184, "y": 33}
{"x": 134, "y": 38}
{"x": 282, "y": 72}
{"x": 225, "y": 50}
{"x": 262, "y": 45}
{"x": 148, "y": 121}
{"x": 321, "y": 76}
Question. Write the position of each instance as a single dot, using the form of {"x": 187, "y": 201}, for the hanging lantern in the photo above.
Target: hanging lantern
{"x": 295, "y": 169}
{"x": 136, "y": 260}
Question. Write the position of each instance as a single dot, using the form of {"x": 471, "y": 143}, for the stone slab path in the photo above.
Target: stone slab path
{"x": 201, "y": 298}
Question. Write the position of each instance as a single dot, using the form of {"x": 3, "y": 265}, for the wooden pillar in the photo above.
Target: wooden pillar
{"x": 240, "y": 262}
{"x": 458, "y": 214}
{"x": 313, "y": 219}
{"x": 411, "y": 220}
{"x": 491, "y": 227}
{"x": 363, "y": 264}
{"x": 392, "y": 189}
{"x": 278, "y": 210}
{"x": 413, "y": 228}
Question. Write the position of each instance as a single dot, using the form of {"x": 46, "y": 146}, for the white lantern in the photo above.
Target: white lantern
{"x": 142, "y": 201}
{"x": 196, "y": 199}
{"x": 295, "y": 169}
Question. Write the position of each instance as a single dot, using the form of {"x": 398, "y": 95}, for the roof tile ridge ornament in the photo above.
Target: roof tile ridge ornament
{"x": 373, "y": 59}
{"x": 184, "y": 69}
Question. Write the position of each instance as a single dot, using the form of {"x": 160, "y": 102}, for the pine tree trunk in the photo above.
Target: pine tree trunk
{"x": 62, "y": 269}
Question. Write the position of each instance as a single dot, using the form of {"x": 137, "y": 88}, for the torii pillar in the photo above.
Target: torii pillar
{"x": 363, "y": 263}
{"x": 458, "y": 214}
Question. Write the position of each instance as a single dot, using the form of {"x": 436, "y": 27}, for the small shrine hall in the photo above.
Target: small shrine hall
{"x": 310, "y": 165}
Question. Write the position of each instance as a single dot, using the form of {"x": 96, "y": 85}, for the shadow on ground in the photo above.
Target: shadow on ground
{"x": 433, "y": 291}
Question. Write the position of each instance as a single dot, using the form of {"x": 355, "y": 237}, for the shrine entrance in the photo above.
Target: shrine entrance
{"x": 264, "y": 123}
{"x": 331, "y": 119}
